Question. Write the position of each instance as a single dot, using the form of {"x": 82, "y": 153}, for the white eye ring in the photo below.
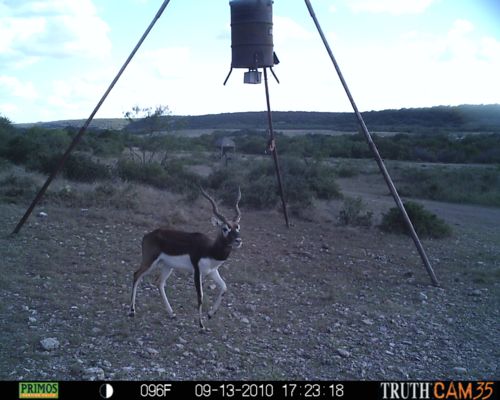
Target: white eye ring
{"x": 237, "y": 229}
{"x": 225, "y": 230}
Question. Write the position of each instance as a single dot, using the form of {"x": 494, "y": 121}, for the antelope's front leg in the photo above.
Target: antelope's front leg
{"x": 222, "y": 287}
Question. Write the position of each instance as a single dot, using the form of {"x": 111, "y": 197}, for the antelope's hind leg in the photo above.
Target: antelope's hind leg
{"x": 165, "y": 272}
{"x": 146, "y": 266}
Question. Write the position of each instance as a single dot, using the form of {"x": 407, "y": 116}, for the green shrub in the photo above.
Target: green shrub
{"x": 15, "y": 188}
{"x": 297, "y": 191}
{"x": 302, "y": 183}
{"x": 321, "y": 181}
{"x": 104, "y": 195}
{"x": 426, "y": 224}
{"x": 352, "y": 213}
{"x": 172, "y": 176}
{"x": 178, "y": 179}
{"x": 107, "y": 195}
{"x": 346, "y": 170}
{"x": 260, "y": 193}
{"x": 476, "y": 185}
{"x": 82, "y": 168}
{"x": 25, "y": 147}
{"x": 222, "y": 177}
{"x": 19, "y": 149}
{"x": 4, "y": 164}
{"x": 226, "y": 182}
{"x": 105, "y": 143}
{"x": 78, "y": 167}
{"x": 149, "y": 174}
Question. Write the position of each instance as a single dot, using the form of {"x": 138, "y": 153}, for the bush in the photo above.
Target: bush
{"x": 4, "y": 164}
{"x": 107, "y": 143}
{"x": 25, "y": 147}
{"x": 19, "y": 149}
{"x": 302, "y": 183}
{"x": 321, "y": 181}
{"x": 351, "y": 213}
{"x": 345, "y": 170}
{"x": 82, "y": 168}
{"x": 172, "y": 176}
{"x": 260, "y": 193}
{"x": 226, "y": 182}
{"x": 148, "y": 174}
{"x": 475, "y": 185}
{"x": 426, "y": 224}
{"x": 15, "y": 188}
{"x": 178, "y": 179}
{"x": 104, "y": 195}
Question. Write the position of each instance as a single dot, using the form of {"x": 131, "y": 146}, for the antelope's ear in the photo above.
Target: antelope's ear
{"x": 216, "y": 221}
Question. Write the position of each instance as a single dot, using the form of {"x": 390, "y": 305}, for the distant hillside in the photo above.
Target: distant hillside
{"x": 98, "y": 123}
{"x": 464, "y": 118}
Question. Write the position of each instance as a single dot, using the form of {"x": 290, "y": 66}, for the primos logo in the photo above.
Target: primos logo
{"x": 38, "y": 390}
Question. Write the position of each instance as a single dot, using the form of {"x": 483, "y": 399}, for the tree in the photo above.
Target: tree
{"x": 5, "y": 124}
{"x": 150, "y": 124}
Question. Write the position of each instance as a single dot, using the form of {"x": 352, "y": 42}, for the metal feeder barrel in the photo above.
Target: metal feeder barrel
{"x": 252, "y": 33}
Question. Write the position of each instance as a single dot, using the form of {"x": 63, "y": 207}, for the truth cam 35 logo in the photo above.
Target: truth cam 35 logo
{"x": 438, "y": 390}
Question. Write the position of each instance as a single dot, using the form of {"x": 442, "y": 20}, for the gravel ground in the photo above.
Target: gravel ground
{"x": 317, "y": 301}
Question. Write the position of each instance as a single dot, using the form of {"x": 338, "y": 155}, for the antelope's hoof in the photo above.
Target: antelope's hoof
{"x": 172, "y": 316}
{"x": 131, "y": 313}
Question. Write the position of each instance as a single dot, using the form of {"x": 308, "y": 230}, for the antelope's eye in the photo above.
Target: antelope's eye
{"x": 226, "y": 230}
{"x": 237, "y": 228}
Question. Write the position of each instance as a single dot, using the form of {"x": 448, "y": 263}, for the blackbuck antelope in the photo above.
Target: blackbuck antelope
{"x": 191, "y": 252}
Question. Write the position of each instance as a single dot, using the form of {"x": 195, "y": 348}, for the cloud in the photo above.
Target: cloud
{"x": 16, "y": 88}
{"x": 462, "y": 44}
{"x": 456, "y": 67}
{"x": 489, "y": 50}
{"x": 395, "y": 7}
{"x": 33, "y": 29}
{"x": 7, "y": 109}
{"x": 165, "y": 63}
{"x": 286, "y": 30}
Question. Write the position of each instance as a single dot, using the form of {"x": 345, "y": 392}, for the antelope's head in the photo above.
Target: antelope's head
{"x": 229, "y": 230}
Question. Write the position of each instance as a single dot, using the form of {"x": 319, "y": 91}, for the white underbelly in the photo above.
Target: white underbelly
{"x": 183, "y": 263}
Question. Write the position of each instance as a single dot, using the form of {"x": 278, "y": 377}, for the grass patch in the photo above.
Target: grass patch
{"x": 347, "y": 170}
{"x": 99, "y": 195}
{"x": 470, "y": 185}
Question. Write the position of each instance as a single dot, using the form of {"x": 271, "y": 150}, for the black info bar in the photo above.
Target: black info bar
{"x": 340, "y": 390}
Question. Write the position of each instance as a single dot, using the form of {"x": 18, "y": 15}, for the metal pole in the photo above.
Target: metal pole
{"x": 374, "y": 149}
{"x": 274, "y": 150}
{"x": 82, "y": 130}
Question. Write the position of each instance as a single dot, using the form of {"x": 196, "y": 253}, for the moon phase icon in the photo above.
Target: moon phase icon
{"x": 106, "y": 391}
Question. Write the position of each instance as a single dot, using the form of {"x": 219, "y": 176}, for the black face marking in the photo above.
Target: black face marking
{"x": 225, "y": 230}
{"x": 231, "y": 234}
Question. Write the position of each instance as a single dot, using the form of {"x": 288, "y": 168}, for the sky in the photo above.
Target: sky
{"x": 57, "y": 57}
